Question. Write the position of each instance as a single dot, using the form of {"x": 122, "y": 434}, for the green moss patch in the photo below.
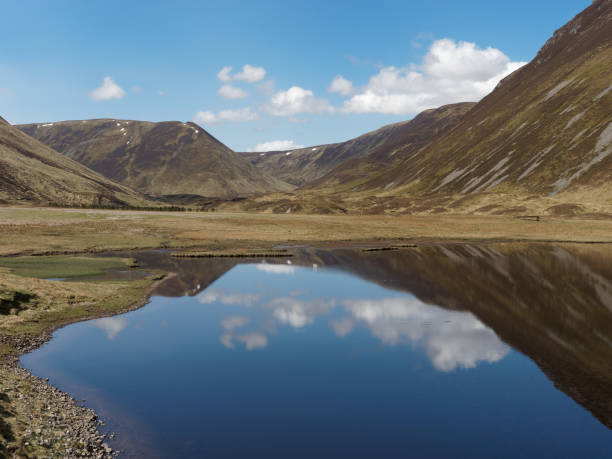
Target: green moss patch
{"x": 46, "y": 267}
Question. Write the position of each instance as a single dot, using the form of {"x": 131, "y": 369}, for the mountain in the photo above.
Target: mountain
{"x": 31, "y": 172}
{"x": 539, "y": 143}
{"x": 546, "y": 130}
{"x": 353, "y": 159}
{"x": 166, "y": 158}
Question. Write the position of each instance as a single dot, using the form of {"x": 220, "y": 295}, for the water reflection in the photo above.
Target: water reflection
{"x": 450, "y": 339}
{"x": 111, "y": 325}
{"x": 265, "y": 359}
{"x": 553, "y": 303}
{"x": 276, "y": 268}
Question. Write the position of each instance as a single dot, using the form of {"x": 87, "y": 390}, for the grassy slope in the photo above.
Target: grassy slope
{"x": 540, "y": 143}
{"x": 156, "y": 158}
{"x": 545, "y": 130}
{"x": 325, "y": 165}
{"x": 32, "y": 172}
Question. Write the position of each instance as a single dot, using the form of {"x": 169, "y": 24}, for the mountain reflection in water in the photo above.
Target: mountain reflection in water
{"x": 249, "y": 358}
{"x": 553, "y": 303}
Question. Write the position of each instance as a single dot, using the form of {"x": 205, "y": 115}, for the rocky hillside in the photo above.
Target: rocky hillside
{"x": 165, "y": 158}
{"x": 355, "y": 158}
{"x": 33, "y": 173}
{"x": 546, "y": 130}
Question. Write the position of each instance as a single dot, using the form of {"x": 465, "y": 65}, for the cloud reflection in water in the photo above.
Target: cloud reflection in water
{"x": 111, "y": 325}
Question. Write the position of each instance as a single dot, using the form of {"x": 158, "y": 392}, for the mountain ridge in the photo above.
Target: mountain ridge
{"x": 31, "y": 172}
{"x": 163, "y": 158}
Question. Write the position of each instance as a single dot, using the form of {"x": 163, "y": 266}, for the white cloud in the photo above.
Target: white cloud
{"x": 108, "y": 90}
{"x": 219, "y": 296}
{"x": 298, "y": 313}
{"x": 231, "y": 92}
{"x": 451, "y": 339}
{"x": 249, "y": 74}
{"x": 297, "y": 100}
{"x": 275, "y": 268}
{"x": 276, "y": 145}
{"x": 342, "y": 86}
{"x": 235, "y": 115}
{"x": 253, "y": 340}
{"x": 450, "y": 72}
{"x": 232, "y": 322}
{"x": 111, "y": 325}
{"x": 342, "y": 327}
{"x": 224, "y": 74}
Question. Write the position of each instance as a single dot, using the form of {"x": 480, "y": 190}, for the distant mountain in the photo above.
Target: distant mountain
{"x": 166, "y": 158}
{"x": 354, "y": 159}
{"x": 31, "y": 172}
{"x": 545, "y": 130}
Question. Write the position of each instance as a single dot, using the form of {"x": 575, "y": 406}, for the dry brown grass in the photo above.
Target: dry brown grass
{"x": 38, "y": 230}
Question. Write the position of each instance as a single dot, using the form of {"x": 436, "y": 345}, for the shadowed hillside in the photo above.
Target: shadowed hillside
{"x": 31, "y": 172}
{"x": 165, "y": 158}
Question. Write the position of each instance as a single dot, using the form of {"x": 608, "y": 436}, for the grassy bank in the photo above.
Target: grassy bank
{"x": 30, "y": 308}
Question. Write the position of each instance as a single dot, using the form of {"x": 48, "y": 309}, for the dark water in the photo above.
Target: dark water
{"x": 456, "y": 351}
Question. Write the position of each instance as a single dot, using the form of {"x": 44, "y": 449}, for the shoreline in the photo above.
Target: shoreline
{"x": 62, "y": 421}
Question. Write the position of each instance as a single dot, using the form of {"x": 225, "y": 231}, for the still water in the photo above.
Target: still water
{"x": 455, "y": 351}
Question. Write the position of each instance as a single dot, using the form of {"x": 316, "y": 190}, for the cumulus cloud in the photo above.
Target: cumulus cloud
{"x": 450, "y": 72}
{"x": 276, "y": 145}
{"x": 253, "y": 340}
{"x": 341, "y": 86}
{"x": 220, "y": 296}
{"x": 249, "y": 74}
{"x": 111, "y": 325}
{"x": 231, "y": 92}
{"x": 108, "y": 90}
{"x": 223, "y": 116}
{"x": 296, "y": 100}
{"x": 298, "y": 313}
{"x": 451, "y": 339}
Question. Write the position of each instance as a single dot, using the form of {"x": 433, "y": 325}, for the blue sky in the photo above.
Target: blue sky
{"x": 162, "y": 61}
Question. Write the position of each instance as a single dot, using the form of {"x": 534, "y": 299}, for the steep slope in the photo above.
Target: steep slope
{"x": 157, "y": 158}
{"x": 31, "y": 172}
{"x": 342, "y": 162}
{"x": 545, "y": 130}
